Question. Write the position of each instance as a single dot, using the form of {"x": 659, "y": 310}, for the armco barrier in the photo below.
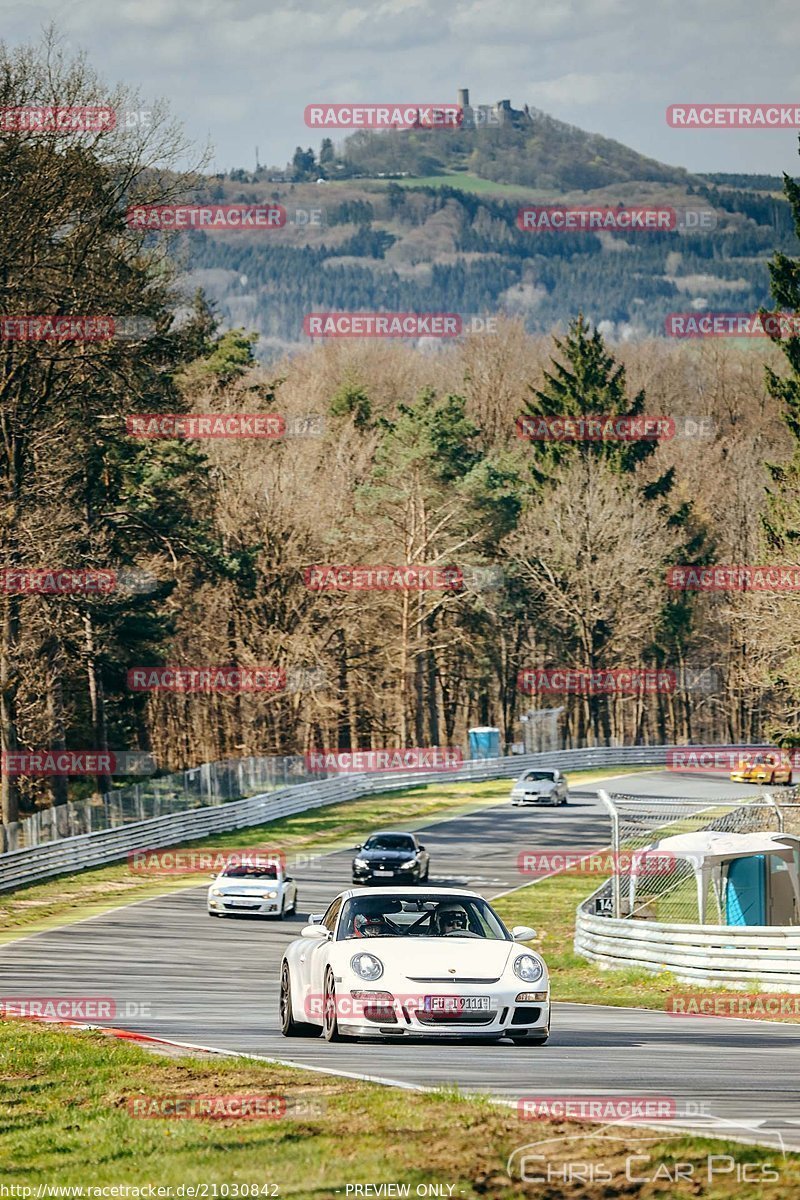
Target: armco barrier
{"x": 76, "y": 853}
{"x": 764, "y": 956}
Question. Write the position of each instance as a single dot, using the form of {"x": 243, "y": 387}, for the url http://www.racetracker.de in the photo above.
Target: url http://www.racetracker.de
{"x": 132, "y": 1191}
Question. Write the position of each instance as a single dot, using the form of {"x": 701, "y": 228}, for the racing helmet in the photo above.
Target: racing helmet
{"x": 451, "y": 918}
{"x": 370, "y": 924}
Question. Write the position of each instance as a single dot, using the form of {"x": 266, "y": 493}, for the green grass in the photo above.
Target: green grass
{"x": 66, "y": 1120}
{"x": 466, "y": 182}
{"x": 71, "y": 898}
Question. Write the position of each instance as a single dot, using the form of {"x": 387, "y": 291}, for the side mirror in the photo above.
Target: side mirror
{"x": 422, "y": 847}
{"x": 523, "y": 933}
{"x": 316, "y": 932}
{"x": 315, "y": 918}
{"x": 288, "y": 879}
{"x": 358, "y": 847}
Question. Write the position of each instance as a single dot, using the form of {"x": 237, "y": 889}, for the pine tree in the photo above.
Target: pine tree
{"x": 588, "y": 382}
{"x": 782, "y": 518}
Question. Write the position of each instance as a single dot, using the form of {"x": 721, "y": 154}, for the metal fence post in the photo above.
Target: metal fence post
{"x": 611, "y": 809}
{"x": 770, "y": 799}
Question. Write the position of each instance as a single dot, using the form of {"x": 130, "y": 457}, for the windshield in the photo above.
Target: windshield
{"x": 240, "y": 872}
{"x": 389, "y": 841}
{"x": 540, "y": 777}
{"x": 420, "y": 916}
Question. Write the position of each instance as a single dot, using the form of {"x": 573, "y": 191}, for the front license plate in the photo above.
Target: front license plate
{"x": 243, "y": 903}
{"x": 452, "y": 1006}
{"x": 383, "y": 871}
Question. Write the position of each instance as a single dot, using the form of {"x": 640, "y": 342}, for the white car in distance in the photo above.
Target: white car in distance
{"x": 394, "y": 963}
{"x": 542, "y": 785}
{"x": 254, "y": 889}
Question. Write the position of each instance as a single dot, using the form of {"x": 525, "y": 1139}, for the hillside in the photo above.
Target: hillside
{"x": 426, "y": 220}
{"x": 411, "y": 248}
{"x": 525, "y": 147}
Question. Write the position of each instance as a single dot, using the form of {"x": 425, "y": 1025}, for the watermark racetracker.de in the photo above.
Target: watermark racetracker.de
{"x": 619, "y": 681}
{"x": 217, "y": 1106}
{"x": 562, "y": 218}
{"x": 50, "y": 762}
{"x": 598, "y": 427}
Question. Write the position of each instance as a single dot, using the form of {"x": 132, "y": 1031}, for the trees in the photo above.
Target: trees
{"x": 303, "y": 164}
{"x": 587, "y": 561}
{"x": 587, "y": 381}
{"x": 781, "y": 521}
{"x": 594, "y": 558}
{"x": 66, "y": 470}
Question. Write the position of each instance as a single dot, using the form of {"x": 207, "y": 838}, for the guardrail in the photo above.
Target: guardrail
{"x": 767, "y": 956}
{"x": 763, "y": 955}
{"x": 77, "y": 853}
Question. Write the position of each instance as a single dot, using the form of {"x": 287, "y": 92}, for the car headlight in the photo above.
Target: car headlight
{"x": 269, "y": 895}
{"x": 412, "y": 862}
{"x": 360, "y": 862}
{"x": 216, "y": 892}
{"x": 528, "y": 968}
{"x": 367, "y": 966}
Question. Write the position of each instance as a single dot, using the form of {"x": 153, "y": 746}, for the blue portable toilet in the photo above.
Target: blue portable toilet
{"x": 484, "y": 742}
{"x": 746, "y": 893}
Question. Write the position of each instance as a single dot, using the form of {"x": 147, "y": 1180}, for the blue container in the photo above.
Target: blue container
{"x": 746, "y": 894}
{"x": 484, "y": 742}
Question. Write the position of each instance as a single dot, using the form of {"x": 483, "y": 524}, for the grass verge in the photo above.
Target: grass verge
{"x": 66, "y": 1102}
{"x": 71, "y": 898}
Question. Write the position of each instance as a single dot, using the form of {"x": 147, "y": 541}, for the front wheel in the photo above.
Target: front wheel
{"x": 290, "y": 1027}
{"x": 330, "y": 1023}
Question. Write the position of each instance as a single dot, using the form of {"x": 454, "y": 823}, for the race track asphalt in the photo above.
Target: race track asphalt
{"x": 175, "y": 973}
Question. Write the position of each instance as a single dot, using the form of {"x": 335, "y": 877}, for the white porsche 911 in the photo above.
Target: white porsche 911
{"x": 398, "y": 963}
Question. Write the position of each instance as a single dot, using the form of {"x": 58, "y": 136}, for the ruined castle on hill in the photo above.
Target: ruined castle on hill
{"x": 498, "y": 113}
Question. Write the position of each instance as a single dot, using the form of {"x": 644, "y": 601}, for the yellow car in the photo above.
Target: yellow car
{"x": 771, "y": 766}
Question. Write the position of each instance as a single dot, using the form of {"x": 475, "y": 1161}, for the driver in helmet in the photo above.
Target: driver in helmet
{"x": 451, "y": 918}
{"x": 371, "y": 925}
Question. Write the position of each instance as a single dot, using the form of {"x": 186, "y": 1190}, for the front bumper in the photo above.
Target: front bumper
{"x": 506, "y": 1015}
{"x": 247, "y": 906}
{"x": 536, "y": 798}
{"x": 367, "y": 874}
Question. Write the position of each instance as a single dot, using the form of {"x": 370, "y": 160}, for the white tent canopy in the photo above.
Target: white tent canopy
{"x": 708, "y": 850}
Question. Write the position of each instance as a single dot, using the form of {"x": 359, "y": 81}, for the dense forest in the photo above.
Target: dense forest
{"x": 392, "y": 454}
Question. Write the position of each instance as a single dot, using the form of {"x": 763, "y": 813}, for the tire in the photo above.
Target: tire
{"x": 290, "y": 1027}
{"x": 282, "y": 913}
{"x": 330, "y": 1023}
{"x": 213, "y": 914}
{"x": 529, "y": 1039}
{"x": 772, "y": 779}
{"x": 293, "y": 909}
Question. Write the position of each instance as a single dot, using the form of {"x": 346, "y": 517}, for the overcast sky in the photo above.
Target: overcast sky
{"x": 240, "y": 72}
